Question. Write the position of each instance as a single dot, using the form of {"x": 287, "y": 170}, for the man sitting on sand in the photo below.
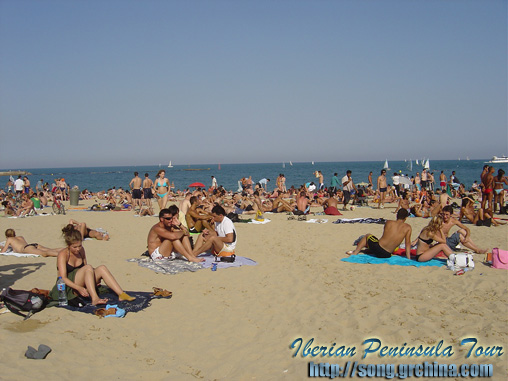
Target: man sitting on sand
{"x": 168, "y": 236}
{"x": 19, "y": 245}
{"x": 463, "y": 235}
{"x": 330, "y": 205}
{"x": 394, "y": 233}
{"x": 222, "y": 241}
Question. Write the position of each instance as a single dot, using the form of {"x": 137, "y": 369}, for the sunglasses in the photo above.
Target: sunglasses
{"x": 168, "y": 218}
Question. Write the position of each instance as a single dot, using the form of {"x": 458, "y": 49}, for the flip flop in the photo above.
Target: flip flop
{"x": 103, "y": 312}
{"x": 160, "y": 292}
{"x": 349, "y": 252}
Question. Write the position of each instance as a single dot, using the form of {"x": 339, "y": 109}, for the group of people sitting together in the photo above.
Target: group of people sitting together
{"x": 432, "y": 240}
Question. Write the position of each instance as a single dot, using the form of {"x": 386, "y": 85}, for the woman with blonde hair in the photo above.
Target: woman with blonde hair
{"x": 425, "y": 250}
{"x": 81, "y": 278}
{"x": 161, "y": 188}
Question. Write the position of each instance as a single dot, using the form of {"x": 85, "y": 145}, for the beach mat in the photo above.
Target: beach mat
{"x": 394, "y": 260}
{"x": 143, "y": 301}
{"x": 166, "y": 266}
{"x": 360, "y": 221}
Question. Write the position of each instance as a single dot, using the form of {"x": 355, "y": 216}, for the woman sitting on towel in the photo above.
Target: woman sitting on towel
{"x": 80, "y": 277}
{"x": 425, "y": 251}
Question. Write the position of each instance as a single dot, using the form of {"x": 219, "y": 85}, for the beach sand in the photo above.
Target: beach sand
{"x": 239, "y": 323}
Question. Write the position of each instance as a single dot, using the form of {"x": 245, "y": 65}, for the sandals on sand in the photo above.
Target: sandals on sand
{"x": 160, "y": 292}
{"x": 103, "y": 312}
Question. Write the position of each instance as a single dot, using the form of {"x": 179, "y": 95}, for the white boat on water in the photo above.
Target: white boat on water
{"x": 498, "y": 160}
{"x": 426, "y": 164}
{"x": 283, "y": 165}
{"x": 386, "y": 167}
{"x": 290, "y": 163}
{"x": 169, "y": 165}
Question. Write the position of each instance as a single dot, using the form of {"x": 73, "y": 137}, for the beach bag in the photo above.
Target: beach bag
{"x": 460, "y": 261}
{"x": 19, "y": 301}
{"x": 499, "y": 258}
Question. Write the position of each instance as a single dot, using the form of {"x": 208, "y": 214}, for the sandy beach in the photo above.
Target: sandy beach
{"x": 239, "y": 323}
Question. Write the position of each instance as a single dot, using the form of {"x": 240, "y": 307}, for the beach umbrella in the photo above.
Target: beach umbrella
{"x": 405, "y": 180}
{"x": 197, "y": 185}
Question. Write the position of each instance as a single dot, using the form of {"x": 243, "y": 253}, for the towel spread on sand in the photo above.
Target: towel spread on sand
{"x": 175, "y": 266}
{"x": 265, "y": 221}
{"x": 10, "y": 252}
{"x": 317, "y": 221}
{"x": 360, "y": 221}
{"x": 143, "y": 300}
{"x": 393, "y": 260}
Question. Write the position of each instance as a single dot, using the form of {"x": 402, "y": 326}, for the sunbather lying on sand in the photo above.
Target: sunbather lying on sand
{"x": 19, "y": 245}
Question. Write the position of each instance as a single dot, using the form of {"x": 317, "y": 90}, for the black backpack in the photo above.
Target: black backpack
{"x": 18, "y": 301}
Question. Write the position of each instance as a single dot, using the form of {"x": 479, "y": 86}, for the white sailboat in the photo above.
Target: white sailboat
{"x": 290, "y": 163}
{"x": 410, "y": 165}
{"x": 416, "y": 162}
{"x": 312, "y": 163}
{"x": 426, "y": 164}
{"x": 169, "y": 165}
{"x": 283, "y": 165}
{"x": 386, "y": 167}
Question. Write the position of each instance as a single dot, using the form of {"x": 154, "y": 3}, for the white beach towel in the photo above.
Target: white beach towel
{"x": 260, "y": 222}
{"x": 317, "y": 221}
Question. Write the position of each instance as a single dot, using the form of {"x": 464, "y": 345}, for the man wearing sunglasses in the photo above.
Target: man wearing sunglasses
{"x": 169, "y": 237}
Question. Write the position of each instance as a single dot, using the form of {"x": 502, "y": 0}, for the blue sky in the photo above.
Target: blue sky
{"x": 90, "y": 83}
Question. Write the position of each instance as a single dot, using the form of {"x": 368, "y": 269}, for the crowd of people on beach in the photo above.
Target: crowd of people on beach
{"x": 209, "y": 214}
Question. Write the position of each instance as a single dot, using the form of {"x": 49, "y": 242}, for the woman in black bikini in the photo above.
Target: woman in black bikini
{"x": 80, "y": 277}
{"x": 425, "y": 251}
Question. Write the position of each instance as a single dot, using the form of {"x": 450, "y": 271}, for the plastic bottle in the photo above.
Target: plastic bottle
{"x": 214, "y": 266}
{"x": 62, "y": 295}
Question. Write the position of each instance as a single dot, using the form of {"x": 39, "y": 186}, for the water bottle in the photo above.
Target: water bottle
{"x": 214, "y": 266}
{"x": 62, "y": 295}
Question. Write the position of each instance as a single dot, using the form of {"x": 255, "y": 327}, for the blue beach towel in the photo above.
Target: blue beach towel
{"x": 396, "y": 260}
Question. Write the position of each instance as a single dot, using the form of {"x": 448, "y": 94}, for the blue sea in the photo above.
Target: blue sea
{"x": 102, "y": 178}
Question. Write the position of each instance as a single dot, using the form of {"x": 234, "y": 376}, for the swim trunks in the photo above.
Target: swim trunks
{"x": 453, "y": 240}
{"x": 156, "y": 255}
{"x": 147, "y": 192}
{"x": 377, "y": 250}
{"x": 486, "y": 222}
{"x": 382, "y": 190}
{"x": 332, "y": 211}
{"x": 226, "y": 251}
{"x": 136, "y": 193}
{"x": 442, "y": 184}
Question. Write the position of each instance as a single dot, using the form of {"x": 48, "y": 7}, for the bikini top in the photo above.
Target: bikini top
{"x": 163, "y": 185}
{"x": 427, "y": 241}
{"x": 71, "y": 268}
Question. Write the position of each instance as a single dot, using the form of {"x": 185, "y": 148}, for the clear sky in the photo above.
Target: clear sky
{"x": 120, "y": 82}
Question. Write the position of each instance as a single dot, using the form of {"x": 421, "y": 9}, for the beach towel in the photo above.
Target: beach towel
{"x": 360, "y": 221}
{"x": 143, "y": 300}
{"x": 167, "y": 266}
{"x": 393, "y": 260}
{"x": 317, "y": 221}
{"x": 11, "y": 252}
{"x": 265, "y": 221}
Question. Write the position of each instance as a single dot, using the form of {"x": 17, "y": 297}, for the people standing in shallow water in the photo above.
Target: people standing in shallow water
{"x": 81, "y": 278}
{"x": 161, "y": 188}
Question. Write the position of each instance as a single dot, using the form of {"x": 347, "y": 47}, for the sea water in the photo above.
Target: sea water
{"x": 102, "y": 178}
